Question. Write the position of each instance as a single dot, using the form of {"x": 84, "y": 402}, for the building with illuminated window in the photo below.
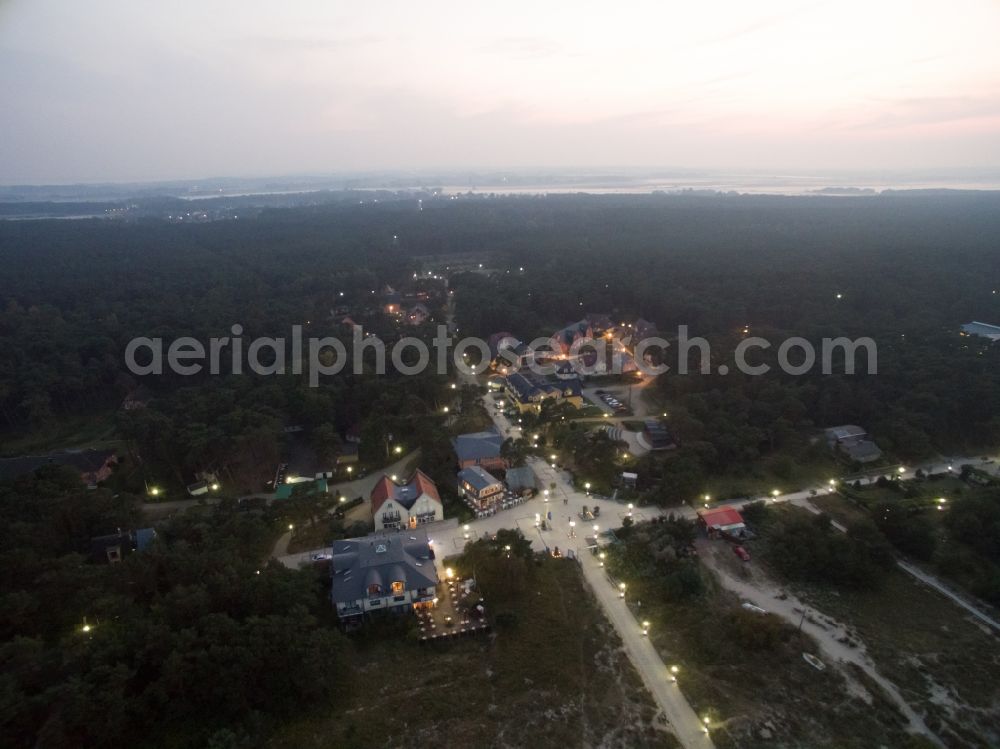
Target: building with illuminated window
{"x": 385, "y": 572}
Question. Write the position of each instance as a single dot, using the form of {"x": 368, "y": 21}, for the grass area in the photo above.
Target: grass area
{"x": 310, "y": 537}
{"x": 587, "y": 412}
{"x": 776, "y": 473}
{"x": 634, "y": 426}
{"x": 839, "y": 508}
{"x": 744, "y": 670}
{"x": 558, "y": 677}
{"x": 96, "y": 430}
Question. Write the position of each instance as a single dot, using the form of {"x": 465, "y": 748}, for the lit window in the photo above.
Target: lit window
{"x": 397, "y": 588}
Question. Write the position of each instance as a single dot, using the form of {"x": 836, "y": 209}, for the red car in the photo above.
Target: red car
{"x": 741, "y": 553}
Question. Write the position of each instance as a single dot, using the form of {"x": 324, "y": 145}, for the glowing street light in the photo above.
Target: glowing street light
{"x": 446, "y": 409}
{"x": 645, "y": 628}
{"x": 587, "y": 487}
{"x": 901, "y": 470}
{"x": 291, "y": 526}
{"x": 398, "y": 449}
{"x": 215, "y": 486}
{"x": 596, "y": 528}
{"x": 350, "y": 469}
{"x": 154, "y": 491}
{"x": 449, "y": 572}
{"x": 621, "y": 590}
{"x": 601, "y": 556}
{"x": 775, "y": 494}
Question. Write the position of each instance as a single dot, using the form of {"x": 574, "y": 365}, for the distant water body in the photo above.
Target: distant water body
{"x": 744, "y": 184}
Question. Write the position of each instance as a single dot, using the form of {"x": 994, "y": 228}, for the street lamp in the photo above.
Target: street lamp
{"x": 901, "y": 470}
{"x": 398, "y": 449}
{"x": 645, "y": 628}
{"x": 621, "y": 590}
{"x": 587, "y": 487}
{"x": 291, "y": 526}
{"x": 774, "y": 494}
{"x": 596, "y": 528}
{"x": 630, "y": 509}
{"x": 350, "y": 469}
{"x": 446, "y": 409}
{"x": 601, "y": 556}
{"x": 673, "y": 673}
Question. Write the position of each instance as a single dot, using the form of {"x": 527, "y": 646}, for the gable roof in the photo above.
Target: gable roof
{"x": 644, "y": 329}
{"x": 477, "y": 445}
{"x": 573, "y": 331}
{"x": 406, "y": 494}
{"x": 721, "y": 517}
{"x": 845, "y": 432}
{"x": 477, "y": 478}
{"x": 381, "y": 560}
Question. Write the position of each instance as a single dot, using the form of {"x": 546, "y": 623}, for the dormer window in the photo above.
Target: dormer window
{"x": 397, "y": 588}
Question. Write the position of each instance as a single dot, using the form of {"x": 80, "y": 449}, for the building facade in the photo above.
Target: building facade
{"x": 391, "y": 572}
{"x": 396, "y": 506}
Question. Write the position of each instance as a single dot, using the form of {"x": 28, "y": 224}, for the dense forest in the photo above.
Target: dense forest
{"x": 908, "y": 269}
{"x": 192, "y": 642}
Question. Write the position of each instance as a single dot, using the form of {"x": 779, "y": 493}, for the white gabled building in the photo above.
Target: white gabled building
{"x": 396, "y": 506}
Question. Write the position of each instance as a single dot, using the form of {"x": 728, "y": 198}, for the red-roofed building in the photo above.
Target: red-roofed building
{"x": 725, "y": 520}
{"x": 406, "y": 505}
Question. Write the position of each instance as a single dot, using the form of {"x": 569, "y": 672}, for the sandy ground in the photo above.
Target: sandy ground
{"x": 751, "y": 584}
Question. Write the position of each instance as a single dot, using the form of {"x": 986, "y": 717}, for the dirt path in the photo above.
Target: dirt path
{"x": 827, "y": 632}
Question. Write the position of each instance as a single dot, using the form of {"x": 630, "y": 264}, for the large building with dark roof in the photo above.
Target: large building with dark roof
{"x": 384, "y": 572}
{"x": 479, "y": 449}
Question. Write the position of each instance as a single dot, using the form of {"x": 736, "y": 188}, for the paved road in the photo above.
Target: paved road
{"x": 655, "y": 675}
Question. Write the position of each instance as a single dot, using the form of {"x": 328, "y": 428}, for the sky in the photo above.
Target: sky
{"x": 134, "y": 90}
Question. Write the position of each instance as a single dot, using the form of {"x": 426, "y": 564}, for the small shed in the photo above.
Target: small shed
{"x": 722, "y": 520}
